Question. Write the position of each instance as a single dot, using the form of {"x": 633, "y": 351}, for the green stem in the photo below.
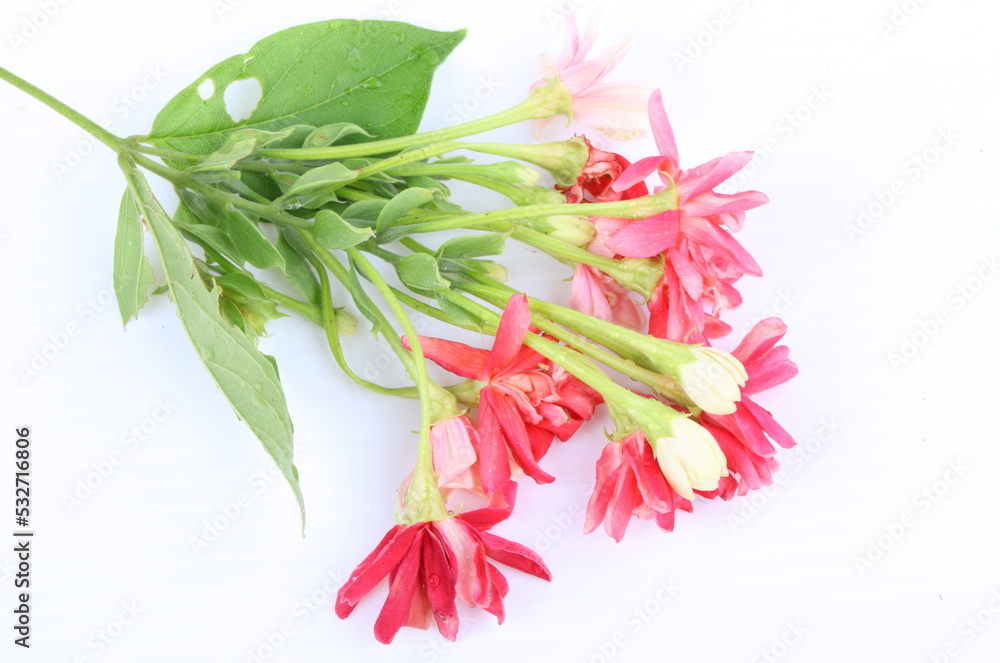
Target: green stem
{"x": 662, "y": 384}
{"x": 117, "y": 144}
{"x": 164, "y": 153}
{"x": 329, "y": 324}
{"x": 410, "y": 157}
{"x": 567, "y": 358}
{"x": 529, "y": 109}
{"x": 271, "y": 167}
{"x": 636, "y": 208}
{"x": 424, "y": 501}
{"x": 639, "y": 274}
{"x": 504, "y": 189}
{"x": 310, "y": 311}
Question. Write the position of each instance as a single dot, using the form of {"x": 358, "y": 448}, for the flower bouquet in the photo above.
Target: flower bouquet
{"x": 323, "y": 201}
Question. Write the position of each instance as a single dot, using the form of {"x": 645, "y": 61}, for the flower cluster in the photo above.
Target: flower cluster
{"x": 698, "y": 434}
{"x": 655, "y": 266}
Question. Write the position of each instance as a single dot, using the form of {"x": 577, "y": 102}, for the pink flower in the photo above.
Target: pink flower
{"x": 597, "y": 294}
{"x": 615, "y": 109}
{"x": 523, "y": 402}
{"x": 455, "y": 457}
{"x": 430, "y": 564}
{"x": 703, "y": 259}
{"x": 594, "y": 292}
{"x": 630, "y": 482}
{"x": 743, "y": 435}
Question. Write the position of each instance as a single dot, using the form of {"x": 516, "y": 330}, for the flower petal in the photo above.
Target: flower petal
{"x": 636, "y": 173}
{"x": 662, "y": 131}
{"x": 396, "y": 610}
{"x": 706, "y": 233}
{"x": 515, "y": 555}
{"x": 440, "y": 585}
{"x": 646, "y": 237}
{"x": 608, "y": 467}
{"x": 375, "y": 567}
{"x": 494, "y": 465}
{"x": 711, "y": 174}
{"x": 513, "y": 326}
{"x": 459, "y": 358}
{"x": 515, "y": 435}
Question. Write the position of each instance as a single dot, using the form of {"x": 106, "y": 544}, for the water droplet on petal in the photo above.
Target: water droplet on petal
{"x": 433, "y": 580}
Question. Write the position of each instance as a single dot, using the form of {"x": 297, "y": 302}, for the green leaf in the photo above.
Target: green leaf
{"x": 375, "y": 74}
{"x": 132, "y": 273}
{"x": 364, "y": 303}
{"x": 248, "y": 378}
{"x": 297, "y": 268}
{"x": 242, "y": 284}
{"x": 419, "y": 271}
{"x": 366, "y": 210}
{"x": 317, "y": 187}
{"x": 332, "y": 232}
{"x": 474, "y": 246}
{"x": 461, "y": 317}
{"x": 403, "y": 202}
{"x": 331, "y": 134}
{"x": 237, "y": 146}
{"x": 248, "y": 243}
{"x": 233, "y": 316}
{"x": 209, "y": 237}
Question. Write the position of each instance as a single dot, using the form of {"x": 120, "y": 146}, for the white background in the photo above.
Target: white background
{"x": 843, "y": 101}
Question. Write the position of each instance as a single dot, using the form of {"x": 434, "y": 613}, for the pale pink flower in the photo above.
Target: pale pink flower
{"x": 595, "y": 293}
{"x": 615, "y": 109}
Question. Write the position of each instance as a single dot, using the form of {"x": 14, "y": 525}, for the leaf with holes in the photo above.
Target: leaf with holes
{"x": 374, "y": 74}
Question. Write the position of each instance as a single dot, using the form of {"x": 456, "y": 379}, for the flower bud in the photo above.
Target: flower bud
{"x": 569, "y": 228}
{"x": 690, "y": 458}
{"x": 536, "y": 195}
{"x": 713, "y": 380}
{"x": 686, "y": 452}
{"x": 564, "y": 159}
{"x": 513, "y": 172}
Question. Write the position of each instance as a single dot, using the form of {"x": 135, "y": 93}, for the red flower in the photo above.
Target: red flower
{"x": 524, "y": 400}
{"x": 594, "y": 292}
{"x": 430, "y": 564}
{"x": 743, "y": 435}
{"x": 594, "y": 183}
{"x": 630, "y": 482}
